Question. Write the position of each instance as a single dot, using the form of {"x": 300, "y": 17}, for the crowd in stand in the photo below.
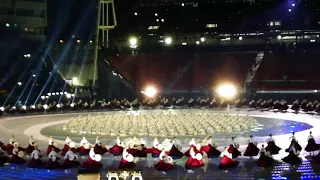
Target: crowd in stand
{"x": 261, "y": 104}
{"x": 133, "y": 149}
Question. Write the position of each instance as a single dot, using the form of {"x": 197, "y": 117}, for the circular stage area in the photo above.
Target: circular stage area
{"x": 259, "y": 124}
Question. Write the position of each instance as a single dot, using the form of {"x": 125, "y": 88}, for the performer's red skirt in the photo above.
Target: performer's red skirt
{"x": 162, "y": 166}
{"x": 193, "y": 163}
{"x": 126, "y": 165}
{"x": 9, "y": 149}
{"x": 50, "y": 147}
{"x": 82, "y": 151}
{"x": 264, "y": 161}
{"x": 65, "y": 149}
{"x": 100, "y": 150}
{"x": 116, "y": 150}
{"x": 154, "y": 151}
{"x": 53, "y": 165}
{"x": 251, "y": 150}
{"x": 187, "y": 153}
{"x": 67, "y": 164}
{"x": 227, "y": 163}
{"x": 35, "y": 163}
{"x": 29, "y": 149}
{"x": 211, "y": 151}
{"x": 92, "y": 164}
{"x": 235, "y": 152}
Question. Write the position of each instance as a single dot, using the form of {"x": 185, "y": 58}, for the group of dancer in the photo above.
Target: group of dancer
{"x": 132, "y": 149}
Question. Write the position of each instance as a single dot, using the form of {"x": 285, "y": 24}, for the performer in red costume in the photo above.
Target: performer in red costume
{"x": 84, "y": 148}
{"x": 117, "y": 149}
{"x": 98, "y": 148}
{"x": 165, "y": 162}
{"x": 127, "y": 161}
{"x": 30, "y": 147}
{"x": 17, "y": 155}
{"x": 233, "y": 148}
{"x": 71, "y": 159}
{"x": 66, "y": 145}
{"x": 194, "y": 161}
{"x": 156, "y": 149}
{"x": 53, "y": 160}
{"x": 192, "y": 144}
{"x": 93, "y": 161}
{"x": 35, "y": 158}
{"x": 52, "y": 145}
{"x": 10, "y": 147}
{"x": 210, "y": 148}
{"x": 227, "y": 161}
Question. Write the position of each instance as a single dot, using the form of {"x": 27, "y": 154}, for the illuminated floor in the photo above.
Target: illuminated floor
{"x": 279, "y": 124}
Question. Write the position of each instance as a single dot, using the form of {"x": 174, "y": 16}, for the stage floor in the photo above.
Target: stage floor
{"x": 279, "y": 124}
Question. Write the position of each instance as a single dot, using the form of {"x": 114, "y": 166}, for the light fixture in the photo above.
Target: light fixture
{"x": 289, "y": 10}
{"x": 34, "y": 75}
{"x": 68, "y": 96}
{"x": 168, "y": 40}
{"x": 72, "y": 105}
{"x": 293, "y": 5}
{"x": 202, "y": 39}
{"x": 162, "y": 20}
{"x": 182, "y": 4}
{"x": 58, "y": 106}
{"x": 45, "y": 107}
{"x": 133, "y": 41}
{"x": 24, "y": 107}
{"x": 279, "y": 37}
{"x": 135, "y": 13}
{"x": 155, "y": 14}
{"x": 7, "y": 25}
{"x": 2, "y": 108}
{"x": 226, "y": 91}
{"x": 61, "y": 41}
{"x": 197, "y": 42}
{"x": 150, "y": 91}
{"x": 33, "y": 107}
{"x": 43, "y": 97}
{"x": 78, "y": 41}
{"x": 240, "y": 38}
{"x": 19, "y": 83}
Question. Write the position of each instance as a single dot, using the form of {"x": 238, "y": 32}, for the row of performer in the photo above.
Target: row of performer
{"x": 133, "y": 149}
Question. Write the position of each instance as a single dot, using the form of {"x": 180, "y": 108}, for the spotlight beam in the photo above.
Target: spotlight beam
{"x": 65, "y": 51}
{"x": 24, "y": 89}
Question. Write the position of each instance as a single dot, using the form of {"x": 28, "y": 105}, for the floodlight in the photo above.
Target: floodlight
{"x": 168, "y": 40}
{"x": 150, "y": 92}
{"x": 226, "y": 91}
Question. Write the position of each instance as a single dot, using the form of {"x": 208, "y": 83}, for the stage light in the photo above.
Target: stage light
{"x": 279, "y": 37}
{"x": 135, "y": 13}
{"x": 162, "y": 20}
{"x": 289, "y": 10}
{"x": 61, "y": 41}
{"x": 14, "y": 107}
{"x": 197, "y": 42}
{"x": 19, "y": 83}
{"x": 61, "y": 93}
{"x": 226, "y": 91}
{"x": 73, "y": 95}
{"x": 168, "y": 40}
{"x": 133, "y": 42}
{"x": 75, "y": 81}
{"x": 72, "y": 105}
{"x": 78, "y": 41}
{"x": 293, "y": 5}
{"x": 47, "y": 97}
{"x": 65, "y": 93}
{"x": 202, "y": 39}
{"x": 156, "y": 14}
{"x": 2, "y": 108}
{"x": 240, "y": 38}
{"x": 182, "y": 4}
{"x": 43, "y": 97}
{"x": 24, "y": 107}
{"x": 58, "y": 106}
{"x": 49, "y": 94}
{"x": 68, "y": 96}
{"x": 34, "y": 75}
{"x": 150, "y": 92}
{"x": 45, "y": 107}
{"x": 33, "y": 107}
{"x": 7, "y": 25}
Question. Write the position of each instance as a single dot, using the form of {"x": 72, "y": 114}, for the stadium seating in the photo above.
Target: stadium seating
{"x": 288, "y": 71}
{"x": 206, "y": 71}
